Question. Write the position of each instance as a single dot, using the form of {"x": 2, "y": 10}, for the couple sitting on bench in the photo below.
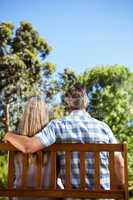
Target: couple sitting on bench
{"x": 35, "y": 133}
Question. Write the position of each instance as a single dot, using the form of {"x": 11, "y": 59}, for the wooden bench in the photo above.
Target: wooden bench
{"x": 82, "y": 192}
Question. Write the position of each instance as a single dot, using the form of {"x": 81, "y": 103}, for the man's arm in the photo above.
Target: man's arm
{"x": 24, "y": 143}
{"x": 119, "y": 162}
{"x": 119, "y": 168}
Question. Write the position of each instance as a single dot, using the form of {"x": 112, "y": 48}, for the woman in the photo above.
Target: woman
{"x": 34, "y": 118}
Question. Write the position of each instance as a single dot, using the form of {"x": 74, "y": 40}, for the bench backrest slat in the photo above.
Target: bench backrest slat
{"x": 24, "y": 170}
{"x": 68, "y": 170}
{"x": 39, "y": 164}
{"x": 125, "y": 150}
{"x": 97, "y": 170}
{"x": 82, "y": 170}
{"x": 10, "y": 169}
{"x": 112, "y": 171}
{"x": 53, "y": 170}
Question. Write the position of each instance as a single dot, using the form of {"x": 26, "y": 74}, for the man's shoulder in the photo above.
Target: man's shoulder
{"x": 100, "y": 123}
{"x": 57, "y": 121}
{"x": 96, "y": 121}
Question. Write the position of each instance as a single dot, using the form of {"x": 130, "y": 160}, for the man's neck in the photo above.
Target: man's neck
{"x": 76, "y": 110}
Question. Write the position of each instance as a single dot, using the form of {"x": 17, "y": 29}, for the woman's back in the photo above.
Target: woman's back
{"x": 32, "y": 170}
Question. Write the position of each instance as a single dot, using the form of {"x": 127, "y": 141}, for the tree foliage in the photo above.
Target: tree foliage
{"x": 23, "y": 72}
{"x": 109, "y": 96}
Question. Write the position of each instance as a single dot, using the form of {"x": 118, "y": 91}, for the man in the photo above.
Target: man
{"x": 77, "y": 127}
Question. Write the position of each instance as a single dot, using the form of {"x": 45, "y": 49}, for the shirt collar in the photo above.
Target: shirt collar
{"x": 80, "y": 113}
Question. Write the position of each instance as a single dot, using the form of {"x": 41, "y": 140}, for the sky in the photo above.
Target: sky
{"x": 82, "y": 33}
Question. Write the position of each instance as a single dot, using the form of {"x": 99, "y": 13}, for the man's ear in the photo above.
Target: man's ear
{"x": 86, "y": 101}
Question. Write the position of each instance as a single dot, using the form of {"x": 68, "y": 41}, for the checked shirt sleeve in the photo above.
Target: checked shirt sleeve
{"x": 47, "y": 135}
{"x": 112, "y": 138}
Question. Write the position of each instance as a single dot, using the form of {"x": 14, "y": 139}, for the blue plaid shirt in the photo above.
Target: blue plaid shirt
{"x": 80, "y": 127}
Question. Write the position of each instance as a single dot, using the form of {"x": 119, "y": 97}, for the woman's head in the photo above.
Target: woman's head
{"x": 34, "y": 118}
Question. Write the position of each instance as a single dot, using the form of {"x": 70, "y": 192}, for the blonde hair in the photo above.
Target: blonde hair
{"x": 34, "y": 118}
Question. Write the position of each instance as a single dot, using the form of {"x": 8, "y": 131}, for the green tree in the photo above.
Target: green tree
{"x": 109, "y": 95}
{"x": 23, "y": 72}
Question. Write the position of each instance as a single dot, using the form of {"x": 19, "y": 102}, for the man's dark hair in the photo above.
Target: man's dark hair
{"x": 75, "y": 98}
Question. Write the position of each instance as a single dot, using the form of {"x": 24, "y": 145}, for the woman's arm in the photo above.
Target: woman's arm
{"x": 24, "y": 143}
